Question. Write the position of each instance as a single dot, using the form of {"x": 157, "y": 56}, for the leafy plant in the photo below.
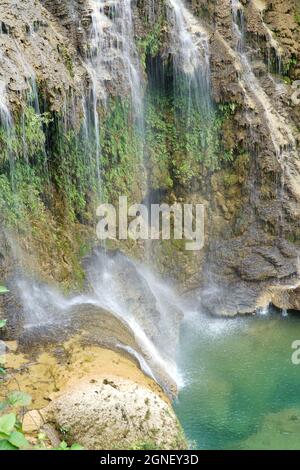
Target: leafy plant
{"x": 3, "y": 290}
{"x": 11, "y": 435}
{"x": 2, "y": 369}
{"x": 64, "y": 446}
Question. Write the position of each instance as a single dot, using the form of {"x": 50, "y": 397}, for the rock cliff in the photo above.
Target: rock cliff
{"x": 248, "y": 181}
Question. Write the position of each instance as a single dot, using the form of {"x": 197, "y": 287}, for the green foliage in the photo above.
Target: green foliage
{"x": 160, "y": 135}
{"x": 22, "y": 169}
{"x": 7, "y": 423}
{"x": 3, "y": 323}
{"x": 122, "y": 151}
{"x": 11, "y": 437}
{"x": 11, "y": 434}
{"x": 151, "y": 44}
{"x": 144, "y": 446}
{"x": 230, "y": 179}
{"x": 3, "y": 290}
{"x": 227, "y": 110}
{"x": 74, "y": 167}
{"x": 20, "y": 197}
{"x": 29, "y": 170}
{"x": 64, "y": 446}
{"x": 297, "y": 16}
{"x": 67, "y": 59}
{"x": 26, "y": 139}
{"x": 289, "y": 65}
{"x": 18, "y": 398}
{"x": 183, "y": 142}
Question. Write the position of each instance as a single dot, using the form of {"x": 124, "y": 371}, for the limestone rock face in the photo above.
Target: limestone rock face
{"x": 253, "y": 202}
{"x": 253, "y": 246}
{"x": 35, "y": 49}
{"x": 114, "y": 413}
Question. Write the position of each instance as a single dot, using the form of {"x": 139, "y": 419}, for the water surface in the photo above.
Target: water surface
{"x": 242, "y": 390}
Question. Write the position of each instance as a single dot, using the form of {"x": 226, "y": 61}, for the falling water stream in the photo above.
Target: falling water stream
{"x": 129, "y": 292}
{"x": 238, "y": 387}
{"x": 5, "y": 116}
{"x": 191, "y": 63}
{"x": 282, "y": 137}
{"x": 112, "y": 50}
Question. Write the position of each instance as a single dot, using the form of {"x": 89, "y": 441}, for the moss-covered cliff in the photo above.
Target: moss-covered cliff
{"x": 72, "y": 134}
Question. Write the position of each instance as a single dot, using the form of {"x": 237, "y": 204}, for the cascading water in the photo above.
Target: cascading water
{"x": 274, "y": 50}
{"x": 5, "y": 115}
{"x": 131, "y": 294}
{"x": 6, "y": 122}
{"x": 190, "y": 51}
{"x": 191, "y": 63}
{"x": 112, "y": 50}
{"x": 282, "y": 137}
{"x": 113, "y": 59}
{"x": 280, "y": 133}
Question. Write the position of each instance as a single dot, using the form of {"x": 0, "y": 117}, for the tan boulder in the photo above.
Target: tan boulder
{"x": 115, "y": 413}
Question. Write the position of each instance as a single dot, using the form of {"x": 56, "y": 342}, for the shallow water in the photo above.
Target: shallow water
{"x": 242, "y": 390}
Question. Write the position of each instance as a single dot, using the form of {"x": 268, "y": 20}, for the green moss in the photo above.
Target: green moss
{"x": 122, "y": 152}
{"x": 67, "y": 59}
{"x": 288, "y": 67}
{"x": 148, "y": 445}
{"x": 183, "y": 144}
{"x": 230, "y": 179}
{"x": 151, "y": 44}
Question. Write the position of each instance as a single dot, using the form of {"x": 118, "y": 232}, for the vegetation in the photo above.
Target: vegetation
{"x": 11, "y": 434}
{"x": 121, "y": 152}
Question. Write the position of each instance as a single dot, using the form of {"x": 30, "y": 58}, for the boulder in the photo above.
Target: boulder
{"x": 114, "y": 413}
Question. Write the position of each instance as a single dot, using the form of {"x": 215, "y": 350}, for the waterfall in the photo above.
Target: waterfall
{"x": 131, "y": 294}
{"x": 281, "y": 135}
{"x": 191, "y": 55}
{"x": 112, "y": 50}
{"x": 272, "y": 44}
{"x": 113, "y": 63}
{"x": 6, "y": 122}
{"x": 192, "y": 85}
{"x": 5, "y": 115}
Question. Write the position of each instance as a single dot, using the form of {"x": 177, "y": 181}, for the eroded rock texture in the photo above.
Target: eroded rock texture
{"x": 116, "y": 414}
{"x": 252, "y": 195}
